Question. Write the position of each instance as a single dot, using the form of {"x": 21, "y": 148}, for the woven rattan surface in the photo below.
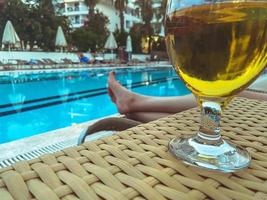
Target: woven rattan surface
{"x": 135, "y": 164}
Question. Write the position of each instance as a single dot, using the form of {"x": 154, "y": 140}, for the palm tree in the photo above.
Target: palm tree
{"x": 163, "y": 8}
{"x": 120, "y": 5}
{"x": 146, "y": 10}
{"x": 147, "y": 15}
{"x": 91, "y": 5}
{"x": 2, "y": 3}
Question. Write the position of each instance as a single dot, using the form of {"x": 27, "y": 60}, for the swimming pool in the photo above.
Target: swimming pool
{"x": 34, "y": 102}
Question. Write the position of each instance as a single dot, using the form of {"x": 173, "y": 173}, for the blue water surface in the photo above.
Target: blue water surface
{"x": 36, "y": 102}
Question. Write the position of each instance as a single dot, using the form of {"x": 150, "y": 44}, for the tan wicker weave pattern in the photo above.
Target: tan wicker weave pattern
{"x": 135, "y": 164}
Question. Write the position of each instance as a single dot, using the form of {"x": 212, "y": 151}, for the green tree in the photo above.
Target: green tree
{"x": 136, "y": 35}
{"x": 147, "y": 15}
{"x": 2, "y": 3}
{"x": 45, "y": 15}
{"x": 120, "y": 37}
{"x": 159, "y": 13}
{"x": 33, "y": 28}
{"x": 34, "y": 23}
{"x": 120, "y": 5}
{"x": 92, "y": 35}
{"x": 91, "y": 5}
{"x": 17, "y": 13}
{"x": 163, "y": 8}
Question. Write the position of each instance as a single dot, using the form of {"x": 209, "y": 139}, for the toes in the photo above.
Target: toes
{"x": 111, "y": 76}
{"x": 112, "y": 82}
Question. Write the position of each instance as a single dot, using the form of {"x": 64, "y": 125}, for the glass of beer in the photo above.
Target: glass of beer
{"x": 218, "y": 48}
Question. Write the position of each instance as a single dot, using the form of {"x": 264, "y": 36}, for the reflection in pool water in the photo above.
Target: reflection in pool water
{"x": 33, "y": 103}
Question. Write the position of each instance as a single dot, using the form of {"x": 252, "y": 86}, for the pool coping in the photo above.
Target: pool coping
{"x": 66, "y": 137}
{"x": 88, "y": 67}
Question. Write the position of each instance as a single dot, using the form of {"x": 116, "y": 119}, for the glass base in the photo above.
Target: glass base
{"x": 222, "y": 156}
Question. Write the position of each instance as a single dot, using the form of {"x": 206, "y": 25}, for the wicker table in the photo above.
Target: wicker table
{"x": 135, "y": 164}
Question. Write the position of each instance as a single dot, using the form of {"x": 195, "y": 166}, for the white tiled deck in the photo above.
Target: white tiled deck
{"x": 52, "y": 141}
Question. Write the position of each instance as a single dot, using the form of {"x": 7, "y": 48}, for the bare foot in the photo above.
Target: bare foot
{"x": 122, "y": 97}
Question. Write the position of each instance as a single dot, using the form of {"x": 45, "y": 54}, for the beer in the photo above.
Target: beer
{"x": 218, "y": 49}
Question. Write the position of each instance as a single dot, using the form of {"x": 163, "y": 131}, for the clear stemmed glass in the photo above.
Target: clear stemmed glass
{"x": 218, "y": 47}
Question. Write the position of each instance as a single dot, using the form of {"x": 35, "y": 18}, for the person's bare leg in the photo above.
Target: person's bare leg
{"x": 129, "y": 102}
{"x": 146, "y": 116}
{"x": 253, "y": 95}
{"x": 124, "y": 99}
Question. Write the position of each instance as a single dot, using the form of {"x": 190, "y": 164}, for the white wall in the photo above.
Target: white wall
{"x": 106, "y": 7}
{"x": 111, "y": 13}
{"x": 141, "y": 57}
{"x": 81, "y": 12}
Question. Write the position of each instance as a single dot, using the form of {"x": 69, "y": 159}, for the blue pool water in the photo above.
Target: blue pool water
{"x": 36, "y": 102}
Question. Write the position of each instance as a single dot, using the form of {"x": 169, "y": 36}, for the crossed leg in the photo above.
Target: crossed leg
{"x": 146, "y": 108}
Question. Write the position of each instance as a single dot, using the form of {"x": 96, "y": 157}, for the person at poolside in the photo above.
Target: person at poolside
{"x": 83, "y": 58}
{"x": 147, "y": 108}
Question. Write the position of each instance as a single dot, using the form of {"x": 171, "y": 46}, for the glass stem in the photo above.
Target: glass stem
{"x": 210, "y": 132}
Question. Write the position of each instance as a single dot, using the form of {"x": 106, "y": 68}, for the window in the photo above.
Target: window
{"x": 128, "y": 24}
{"x": 70, "y": 9}
{"x": 77, "y": 19}
{"x": 76, "y": 6}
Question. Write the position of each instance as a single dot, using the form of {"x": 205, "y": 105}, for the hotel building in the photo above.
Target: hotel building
{"x": 77, "y": 11}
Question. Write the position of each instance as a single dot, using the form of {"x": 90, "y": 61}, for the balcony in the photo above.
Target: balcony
{"x": 75, "y": 11}
{"x": 77, "y": 25}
